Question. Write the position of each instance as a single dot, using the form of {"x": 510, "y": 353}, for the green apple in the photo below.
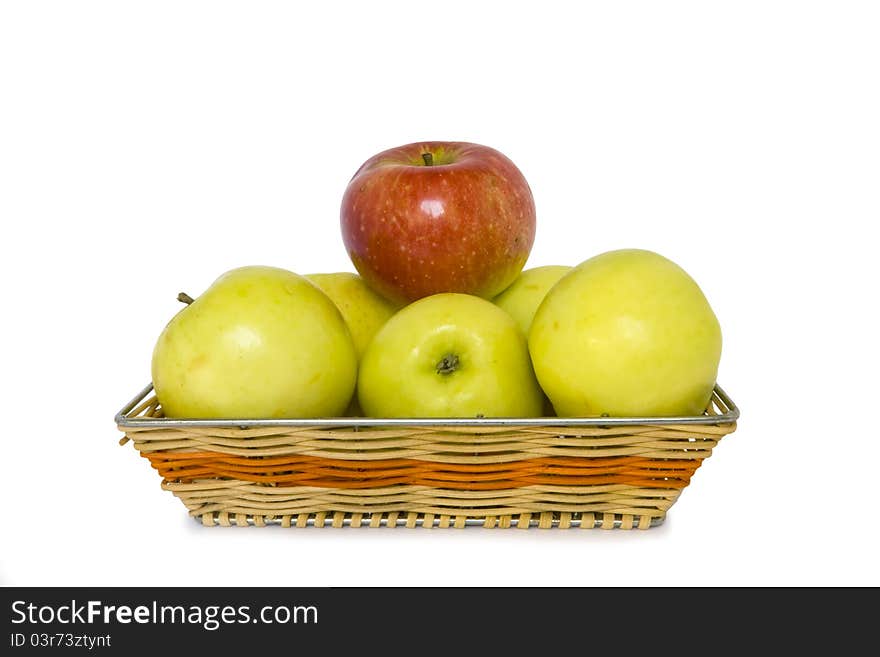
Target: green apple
{"x": 522, "y": 297}
{"x": 261, "y": 342}
{"x": 626, "y": 333}
{"x": 449, "y": 355}
{"x": 364, "y": 309}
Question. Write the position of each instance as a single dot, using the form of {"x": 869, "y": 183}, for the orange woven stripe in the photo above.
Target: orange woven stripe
{"x": 298, "y": 470}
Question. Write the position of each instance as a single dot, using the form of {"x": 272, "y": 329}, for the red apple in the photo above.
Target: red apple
{"x": 439, "y": 216}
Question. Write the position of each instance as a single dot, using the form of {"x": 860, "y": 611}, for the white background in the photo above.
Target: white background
{"x": 147, "y": 147}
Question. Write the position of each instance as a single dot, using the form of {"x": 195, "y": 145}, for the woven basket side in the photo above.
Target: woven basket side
{"x": 673, "y": 441}
{"x": 240, "y": 498}
{"x": 614, "y": 476}
{"x": 343, "y": 473}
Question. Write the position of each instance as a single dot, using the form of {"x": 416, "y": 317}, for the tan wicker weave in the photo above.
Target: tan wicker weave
{"x": 448, "y": 476}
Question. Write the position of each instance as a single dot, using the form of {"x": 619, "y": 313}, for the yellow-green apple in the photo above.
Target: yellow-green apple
{"x": 449, "y": 355}
{"x": 260, "y": 342}
{"x": 522, "y": 297}
{"x": 626, "y": 333}
{"x": 363, "y": 309}
{"x": 438, "y": 216}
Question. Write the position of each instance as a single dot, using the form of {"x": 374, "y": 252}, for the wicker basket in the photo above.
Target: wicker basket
{"x": 495, "y": 472}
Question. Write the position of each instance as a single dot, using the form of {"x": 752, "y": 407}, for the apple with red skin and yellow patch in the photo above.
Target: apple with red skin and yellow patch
{"x": 438, "y": 216}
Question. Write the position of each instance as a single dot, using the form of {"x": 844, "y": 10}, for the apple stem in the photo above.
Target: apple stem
{"x": 183, "y": 297}
{"x": 428, "y": 158}
{"x": 447, "y": 365}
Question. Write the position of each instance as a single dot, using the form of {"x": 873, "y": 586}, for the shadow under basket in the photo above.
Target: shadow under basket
{"x": 378, "y": 472}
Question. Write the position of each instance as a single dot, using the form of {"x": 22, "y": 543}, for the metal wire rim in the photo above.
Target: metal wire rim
{"x": 729, "y": 415}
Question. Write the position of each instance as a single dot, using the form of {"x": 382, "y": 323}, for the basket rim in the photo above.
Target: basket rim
{"x": 124, "y": 420}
